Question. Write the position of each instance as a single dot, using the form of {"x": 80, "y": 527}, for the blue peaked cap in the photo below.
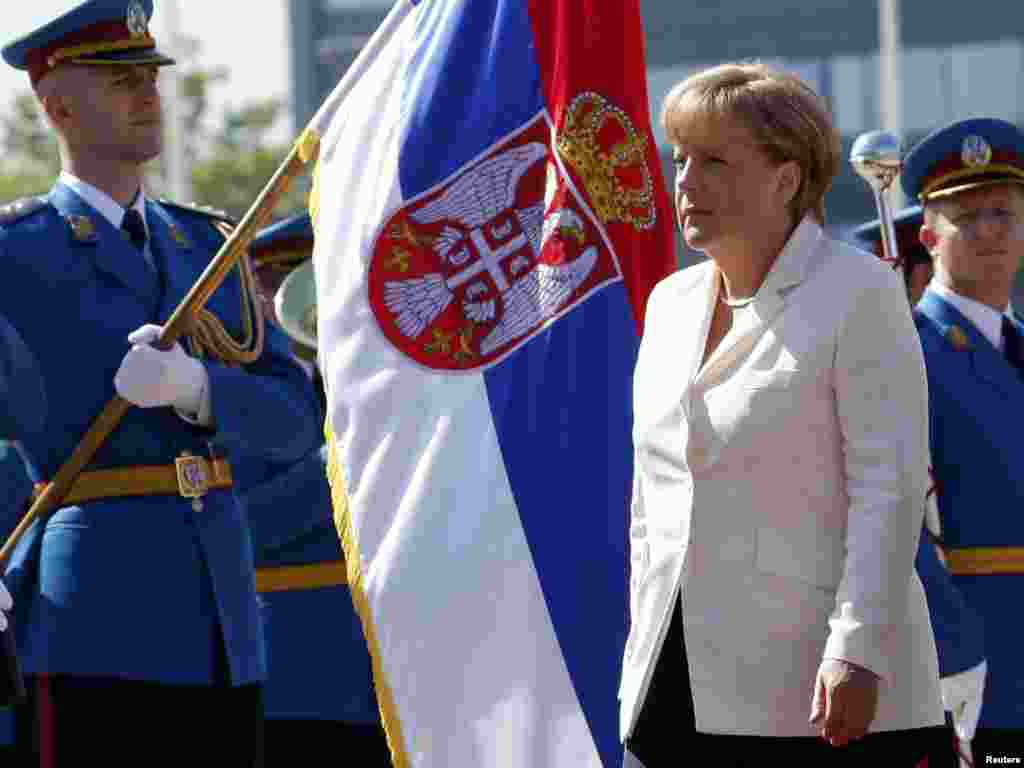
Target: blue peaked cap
{"x": 96, "y": 32}
{"x": 965, "y": 155}
{"x": 287, "y": 241}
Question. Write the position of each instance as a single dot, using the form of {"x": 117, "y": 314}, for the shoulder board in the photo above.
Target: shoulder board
{"x": 19, "y": 209}
{"x": 206, "y": 211}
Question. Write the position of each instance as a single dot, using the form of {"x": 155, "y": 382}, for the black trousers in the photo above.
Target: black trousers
{"x": 75, "y": 721}
{"x": 666, "y": 736}
{"x": 306, "y": 742}
{"x": 993, "y": 743}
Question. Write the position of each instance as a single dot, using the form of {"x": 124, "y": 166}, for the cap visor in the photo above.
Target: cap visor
{"x": 985, "y": 181}
{"x": 140, "y": 56}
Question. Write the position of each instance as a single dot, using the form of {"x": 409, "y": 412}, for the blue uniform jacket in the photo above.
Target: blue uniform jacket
{"x": 959, "y": 636}
{"x": 15, "y": 488}
{"x": 22, "y": 391}
{"x": 138, "y": 588}
{"x": 976, "y": 420}
{"x": 319, "y": 666}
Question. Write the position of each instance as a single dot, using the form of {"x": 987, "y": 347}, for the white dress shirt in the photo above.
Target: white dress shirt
{"x": 107, "y": 207}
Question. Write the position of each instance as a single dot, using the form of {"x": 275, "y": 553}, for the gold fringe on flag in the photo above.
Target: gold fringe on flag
{"x": 350, "y": 545}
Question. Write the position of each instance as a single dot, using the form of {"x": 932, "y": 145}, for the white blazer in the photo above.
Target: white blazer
{"x": 779, "y": 489}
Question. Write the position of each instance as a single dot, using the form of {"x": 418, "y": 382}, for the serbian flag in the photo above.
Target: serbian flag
{"x": 490, "y": 218}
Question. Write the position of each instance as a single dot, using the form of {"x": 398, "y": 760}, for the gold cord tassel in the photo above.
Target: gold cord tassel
{"x": 209, "y": 338}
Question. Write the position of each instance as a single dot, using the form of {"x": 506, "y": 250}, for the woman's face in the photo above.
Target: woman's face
{"x": 727, "y": 188}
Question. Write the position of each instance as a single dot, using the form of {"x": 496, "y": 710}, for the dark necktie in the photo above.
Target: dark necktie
{"x": 1012, "y": 345}
{"x": 134, "y": 228}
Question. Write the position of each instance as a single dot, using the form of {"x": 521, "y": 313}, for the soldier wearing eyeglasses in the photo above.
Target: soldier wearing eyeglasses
{"x": 968, "y": 177}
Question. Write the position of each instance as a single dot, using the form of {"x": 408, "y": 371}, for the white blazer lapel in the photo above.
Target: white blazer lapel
{"x": 673, "y": 343}
{"x": 696, "y": 308}
{"x": 748, "y": 325}
{"x": 700, "y": 309}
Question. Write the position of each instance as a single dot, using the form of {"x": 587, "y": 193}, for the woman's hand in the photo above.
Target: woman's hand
{"x": 845, "y": 701}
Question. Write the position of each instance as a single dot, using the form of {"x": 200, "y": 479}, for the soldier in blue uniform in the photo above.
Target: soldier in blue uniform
{"x": 22, "y": 411}
{"x": 968, "y": 177}
{"x": 15, "y": 491}
{"x": 319, "y": 695}
{"x": 135, "y": 605}
{"x": 22, "y": 389}
{"x": 959, "y": 635}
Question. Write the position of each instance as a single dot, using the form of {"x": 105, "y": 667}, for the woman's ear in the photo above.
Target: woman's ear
{"x": 790, "y": 176}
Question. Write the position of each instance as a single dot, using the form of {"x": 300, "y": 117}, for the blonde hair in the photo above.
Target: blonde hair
{"x": 787, "y": 118}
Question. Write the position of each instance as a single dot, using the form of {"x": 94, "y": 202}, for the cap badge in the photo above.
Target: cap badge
{"x": 975, "y": 151}
{"x": 135, "y": 20}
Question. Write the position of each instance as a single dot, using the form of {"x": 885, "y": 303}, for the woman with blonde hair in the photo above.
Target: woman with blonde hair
{"x": 781, "y": 436}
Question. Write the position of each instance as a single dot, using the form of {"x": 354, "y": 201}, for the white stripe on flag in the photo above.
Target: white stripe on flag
{"x": 449, "y": 597}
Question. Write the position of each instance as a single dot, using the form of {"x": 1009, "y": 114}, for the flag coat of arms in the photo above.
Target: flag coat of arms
{"x": 490, "y": 218}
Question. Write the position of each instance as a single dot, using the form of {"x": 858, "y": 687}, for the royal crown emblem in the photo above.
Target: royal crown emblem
{"x": 975, "y": 151}
{"x": 464, "y": 275}
{"x": 604, "y": 148}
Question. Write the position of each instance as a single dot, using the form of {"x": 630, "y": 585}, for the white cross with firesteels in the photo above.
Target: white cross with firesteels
{"x": 490, "y": 261}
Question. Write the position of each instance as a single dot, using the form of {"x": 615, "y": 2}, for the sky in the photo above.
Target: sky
{"x": 251, "y": 44}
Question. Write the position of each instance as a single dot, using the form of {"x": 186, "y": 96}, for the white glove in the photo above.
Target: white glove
{"x": 961, "y": 695}
{"x": 6, "y": 603}
{"x": 150, "y": 377}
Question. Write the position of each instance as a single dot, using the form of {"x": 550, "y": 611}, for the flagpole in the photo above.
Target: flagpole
{"x": 310, "y": 139}
{"x": 179, "y": 185}
{"x": 890, "y": 81}
{"x": 304, "y": 151}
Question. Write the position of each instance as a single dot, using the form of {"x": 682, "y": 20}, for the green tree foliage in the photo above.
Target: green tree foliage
{"x": 231, "y": 162}
{"x": 242, "y": 158}
{"x": 30, "y": 151}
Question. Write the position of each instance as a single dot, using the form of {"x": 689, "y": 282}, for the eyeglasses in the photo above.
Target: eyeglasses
{"x": 968, "y": 224}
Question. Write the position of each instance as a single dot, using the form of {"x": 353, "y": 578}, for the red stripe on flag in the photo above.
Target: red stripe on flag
{"x": 597, "y": 46}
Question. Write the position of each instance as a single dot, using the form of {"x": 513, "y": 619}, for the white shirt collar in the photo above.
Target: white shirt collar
{"x": 104, "y": 204}
{"x": 988, "y": 321}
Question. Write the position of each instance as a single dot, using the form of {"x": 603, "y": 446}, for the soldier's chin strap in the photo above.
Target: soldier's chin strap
{"x": 209, "y": 338}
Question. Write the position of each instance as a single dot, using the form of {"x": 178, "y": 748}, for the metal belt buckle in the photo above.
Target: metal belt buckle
{"x": 193, "y": 478}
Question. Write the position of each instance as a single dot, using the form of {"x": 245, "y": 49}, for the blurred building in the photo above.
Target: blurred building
{"x": 958, "y": 60}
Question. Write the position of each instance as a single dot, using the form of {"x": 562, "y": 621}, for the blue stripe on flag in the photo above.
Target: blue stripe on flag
{"x": 561, "y": 407}
{"x": 472, "y": 79}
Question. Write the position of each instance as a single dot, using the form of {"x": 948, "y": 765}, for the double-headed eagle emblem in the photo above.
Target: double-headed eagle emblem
{"x": 467, "y": 273}
{"x": 491, "y": 250}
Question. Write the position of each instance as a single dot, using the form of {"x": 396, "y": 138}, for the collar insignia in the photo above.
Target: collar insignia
{"x": 82, "y": 229}
{"x": 957, "y": 338}
{"x": 180, "y": 238}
